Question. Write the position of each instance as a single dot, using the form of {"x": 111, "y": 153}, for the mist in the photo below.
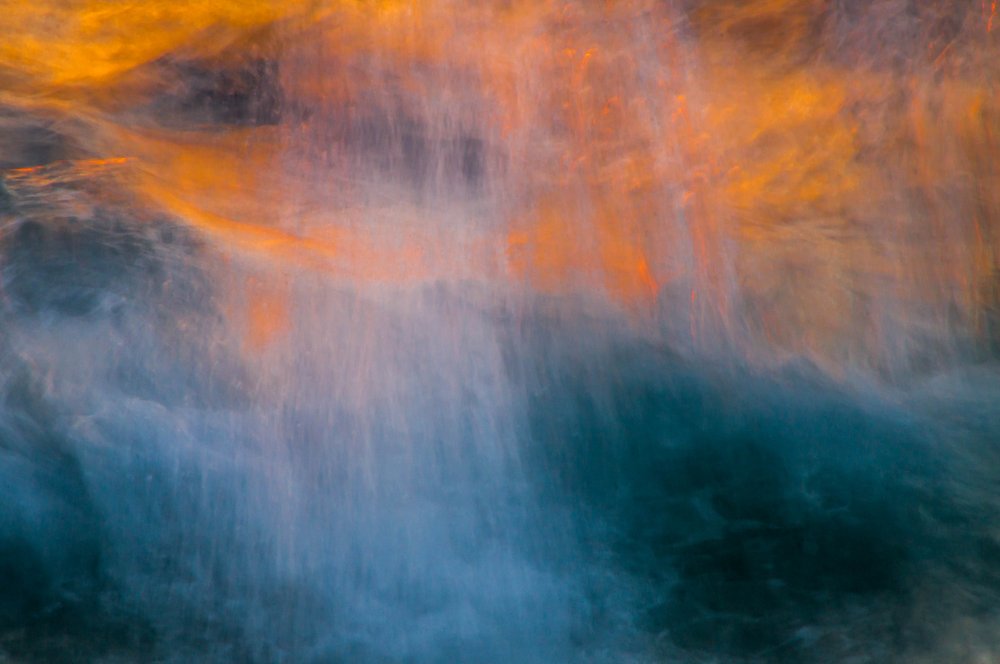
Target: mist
{"x": 633, "y": 331}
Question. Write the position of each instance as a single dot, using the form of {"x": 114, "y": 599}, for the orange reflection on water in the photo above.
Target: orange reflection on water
{"x": 806, "y": 180}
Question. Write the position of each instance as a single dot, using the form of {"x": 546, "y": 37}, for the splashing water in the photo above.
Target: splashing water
{"x": 627, "y": 331}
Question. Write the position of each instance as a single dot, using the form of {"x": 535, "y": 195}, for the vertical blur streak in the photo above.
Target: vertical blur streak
{"x": 374, "y": 330}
